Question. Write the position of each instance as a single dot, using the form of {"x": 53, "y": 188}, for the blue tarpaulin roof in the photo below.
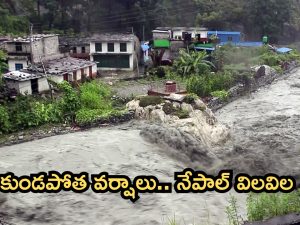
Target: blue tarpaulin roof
{"x": 284, "y": 50}
{"x": 145, "y": 47}
{"x": 244, "y": 44}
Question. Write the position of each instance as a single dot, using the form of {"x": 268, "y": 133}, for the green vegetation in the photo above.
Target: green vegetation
{"x": 190, "y": 98}
{"x": 260, "y": 207}
{"x": 230, "y": 65}
{"x": 232, "y": 212}
{"x": 182, "y": 114}
{"x": 223, "y": 95}
{"x": 150, "y": 100}
{"x": 265, "y": 206}
{"x": 12, "y": 24}
{"x": 273, "y": 59}
{"x": 86, "y": 105}
{"x": 192, "y": 63}
{"x": 257, "y": 18}
{"x": 203, "y": 86}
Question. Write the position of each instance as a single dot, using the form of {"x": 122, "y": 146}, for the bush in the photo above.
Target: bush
{"x": 46, "y": 113}
{"x": 182, "y": 114}
{"x": 70, "y": 102}
{"x": 204, "y": 85}
{"x": 199, "y": 85}
{"x": 270, "y": 59}
{"x": 150, "y": 100}
{"x": 223, "y": 95}
{"x": 5, "y": 125}
{"x": 221, "y": 81}
{"x": 22, "y": 114}
{"x": 190, "y": 98}
{"x": 84, "y": 116}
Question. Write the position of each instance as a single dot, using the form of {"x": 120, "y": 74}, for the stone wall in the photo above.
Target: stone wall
{"x": 241, "y": 90}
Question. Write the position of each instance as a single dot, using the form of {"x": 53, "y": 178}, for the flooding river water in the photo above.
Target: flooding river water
{"x": 264, "y": 138}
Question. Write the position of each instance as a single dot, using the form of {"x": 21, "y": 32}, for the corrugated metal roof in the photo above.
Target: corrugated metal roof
{"x": 61, "y": 66}
{"x": 182, "y": 28}
{"x": 35, "y": 37}
{"x": 224, "y": 32}
{"x": 113, "y": 37}
{"x": 21, "y": 76}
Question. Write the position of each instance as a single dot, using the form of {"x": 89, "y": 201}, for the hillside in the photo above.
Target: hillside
{"x": 277, "y": 18}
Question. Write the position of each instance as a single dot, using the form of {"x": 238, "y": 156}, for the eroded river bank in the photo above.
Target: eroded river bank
{"x": 265, "y": 132}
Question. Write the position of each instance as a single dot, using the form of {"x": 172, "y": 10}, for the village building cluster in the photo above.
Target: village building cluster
{"x": 31, "y": 60}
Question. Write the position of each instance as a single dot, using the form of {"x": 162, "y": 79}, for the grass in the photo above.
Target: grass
{"x": 265, "y": 206}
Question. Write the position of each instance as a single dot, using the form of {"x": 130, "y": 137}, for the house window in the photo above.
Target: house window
{"x": 98, "y": 47}
{"x": 74, "y": 50}
{"x": 19, "y": 47}
{"x": 18, "y": 66}
{"x": 230, "y": 39}
{"x": 110, "y": 47}
{"x": 123, "y": 47}
{"x": 82, "y": 49}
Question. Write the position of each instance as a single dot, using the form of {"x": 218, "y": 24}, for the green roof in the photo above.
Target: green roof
{"x": 161, "y": 43}
{"x": 204, "y": 45}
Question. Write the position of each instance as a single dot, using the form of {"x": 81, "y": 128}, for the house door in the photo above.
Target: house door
{"x": 74, "y": 76}
{"x": 90, "y": 71}
{"x": 66, "y": 77}
{"x": 34, "y": 86}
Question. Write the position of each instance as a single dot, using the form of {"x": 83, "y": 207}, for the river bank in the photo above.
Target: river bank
{"x": 139, "y": 88}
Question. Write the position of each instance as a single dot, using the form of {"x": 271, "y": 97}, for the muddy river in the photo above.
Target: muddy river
{"x": 265, "y": 131}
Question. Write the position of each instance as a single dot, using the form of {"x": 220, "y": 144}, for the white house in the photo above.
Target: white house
{"x": 33, "y": 80}
{"x": 21, "y": 51}
{"x": 26, "y": 83}
{"x": 115, "y": 51}
{"x": 176, "y": 32}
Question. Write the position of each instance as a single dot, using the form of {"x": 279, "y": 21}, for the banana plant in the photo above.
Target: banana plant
{"x": 193, "y": 63}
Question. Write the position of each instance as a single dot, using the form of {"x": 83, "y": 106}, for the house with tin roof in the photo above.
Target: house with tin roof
{"x": 26, "y": 83}
{"x": 33, "y": 80}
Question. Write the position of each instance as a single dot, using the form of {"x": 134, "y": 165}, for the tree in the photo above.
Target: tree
{"x": 268, "y": 17}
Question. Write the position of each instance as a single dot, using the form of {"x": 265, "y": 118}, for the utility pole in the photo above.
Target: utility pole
{"x": 143, "y": 33}
{"x": 45, "y": 72}
{"x": 31, "y": 47}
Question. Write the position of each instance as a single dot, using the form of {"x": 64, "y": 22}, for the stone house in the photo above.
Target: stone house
{"x": 24, "y": 51}
{"x": 77, "y": 47}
